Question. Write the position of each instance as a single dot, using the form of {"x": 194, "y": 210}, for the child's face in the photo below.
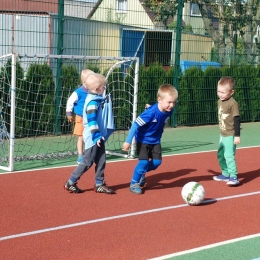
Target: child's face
{"x": 224, "y": 93}
{"x": 100, "y": 90}
{"x": 167, "y": 102}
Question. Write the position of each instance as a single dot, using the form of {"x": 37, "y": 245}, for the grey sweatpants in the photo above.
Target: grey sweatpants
{"x": 92, "y": 155}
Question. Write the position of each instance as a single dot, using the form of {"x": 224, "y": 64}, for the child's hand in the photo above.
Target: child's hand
{"x": 237, "y": 140}
{"x": 147, "y": 105}
{"x": 70, "y": 118}
{"x": 126, "y": 146}
{"x": 99, "y": 142}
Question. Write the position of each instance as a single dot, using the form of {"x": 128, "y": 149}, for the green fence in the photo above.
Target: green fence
{"x": 197, "y": 103}
{"x": 215, "y": 40}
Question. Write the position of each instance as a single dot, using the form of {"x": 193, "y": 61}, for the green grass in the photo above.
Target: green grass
{"x": 174, "y": 141}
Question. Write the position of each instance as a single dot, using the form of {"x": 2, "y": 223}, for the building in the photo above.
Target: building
{"x": 74, "y": 8}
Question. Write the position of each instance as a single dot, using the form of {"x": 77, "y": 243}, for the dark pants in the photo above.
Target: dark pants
{"x": 92, "y": 155}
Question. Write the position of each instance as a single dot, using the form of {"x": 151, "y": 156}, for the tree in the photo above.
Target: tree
{"x": 162, "y": 10}
{"x": 236, "y": 19}
{"x": 186, "y": 28}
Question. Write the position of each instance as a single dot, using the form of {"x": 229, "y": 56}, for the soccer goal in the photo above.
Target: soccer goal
{"x": 33, "y": 93}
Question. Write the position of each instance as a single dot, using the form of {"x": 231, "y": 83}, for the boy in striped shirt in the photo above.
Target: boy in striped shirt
{"x": 97, "y": 128}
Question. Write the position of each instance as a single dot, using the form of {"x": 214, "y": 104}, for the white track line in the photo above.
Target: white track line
{"x": 207, "y": 247}
{"x": 120, "y": 216}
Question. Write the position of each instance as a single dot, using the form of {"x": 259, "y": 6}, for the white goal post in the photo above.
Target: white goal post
{"x": 34, "y": 89}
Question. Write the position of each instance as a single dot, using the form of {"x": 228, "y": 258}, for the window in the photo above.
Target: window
{"x": 194, "y": 10}
{"x": 121, "y": 6}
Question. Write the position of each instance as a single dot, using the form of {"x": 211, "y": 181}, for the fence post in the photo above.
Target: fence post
{"x": 177, "y": 57}
{"x": 59, "y": 67}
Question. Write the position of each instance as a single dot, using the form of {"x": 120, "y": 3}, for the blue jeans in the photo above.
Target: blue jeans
{"x": 226, "y": 156}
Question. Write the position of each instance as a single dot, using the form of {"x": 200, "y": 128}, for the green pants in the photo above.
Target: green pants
{"x": 226, "y": 156}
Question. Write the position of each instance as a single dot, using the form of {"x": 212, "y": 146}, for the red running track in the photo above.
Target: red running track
{"x": 158, "y": 222}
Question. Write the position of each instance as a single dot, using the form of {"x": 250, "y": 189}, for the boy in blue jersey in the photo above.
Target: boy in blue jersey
{"x": 76, "y": 102}
{"x": 147, "y": 130}
{"x": 98, "y": 125}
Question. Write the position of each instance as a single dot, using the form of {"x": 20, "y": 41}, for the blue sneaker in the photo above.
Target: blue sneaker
{"x": 135, "y": 188}
{"x": 221, "y": 177}
{"x": 142, "y": 181}
{"x": 233, "y": 181}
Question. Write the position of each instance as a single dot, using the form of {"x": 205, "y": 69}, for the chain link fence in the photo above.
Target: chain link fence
{"x": 211, "y": 46}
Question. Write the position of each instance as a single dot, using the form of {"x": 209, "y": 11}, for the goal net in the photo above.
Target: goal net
{"x": 33, "y": 94}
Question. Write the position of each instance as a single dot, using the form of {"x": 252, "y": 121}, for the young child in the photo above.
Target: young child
{"x": 147, "y": 130}
{"x": 96, "y": 132}
{"x": 229, "y": 124}
{"x": 76, "y": 102}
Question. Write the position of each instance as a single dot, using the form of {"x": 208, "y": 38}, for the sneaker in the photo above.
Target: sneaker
{"x": 72, "y": 188}
{"x": 80, "y": 159}
{"x": 233, "y": 181}
{"x": 221, "y": 178}
{"x": 103, "y": 189}
{"x": 142, "y": 181}
{"x": 135, "y": 188}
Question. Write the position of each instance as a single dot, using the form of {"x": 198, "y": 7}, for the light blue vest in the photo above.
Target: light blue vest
{"x": 105, "y": 118}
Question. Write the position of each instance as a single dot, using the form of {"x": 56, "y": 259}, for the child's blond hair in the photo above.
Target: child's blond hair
{"x": 84, "y": 74}
{"x": 167, "y": 88}
{"x": 227, "y": 81}
{"x": 94, "y": 81}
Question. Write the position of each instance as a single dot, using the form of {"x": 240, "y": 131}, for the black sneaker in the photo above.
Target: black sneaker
{"x": 72, "y": 188}
{"x": 103, "y": 189}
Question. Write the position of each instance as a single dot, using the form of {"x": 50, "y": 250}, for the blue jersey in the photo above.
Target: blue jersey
{"x": 149, "y": 125}
{"x": 76, "y": 101}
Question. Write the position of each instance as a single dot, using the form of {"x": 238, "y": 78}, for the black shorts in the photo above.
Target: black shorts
{"x": 149, "y": 151}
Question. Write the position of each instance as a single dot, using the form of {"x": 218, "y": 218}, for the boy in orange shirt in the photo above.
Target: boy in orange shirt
{"x": 75, "y": 103}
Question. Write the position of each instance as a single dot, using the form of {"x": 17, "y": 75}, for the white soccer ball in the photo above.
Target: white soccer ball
{"x": 193, "y": 193}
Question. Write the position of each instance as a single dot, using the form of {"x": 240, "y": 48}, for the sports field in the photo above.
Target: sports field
{"x": 40, "y": 220}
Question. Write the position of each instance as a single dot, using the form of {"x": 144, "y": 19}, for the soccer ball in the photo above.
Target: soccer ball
{"x": 193, "y": 193}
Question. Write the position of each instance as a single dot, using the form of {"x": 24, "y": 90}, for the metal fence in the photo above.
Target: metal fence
{"x": 191, "y": 51}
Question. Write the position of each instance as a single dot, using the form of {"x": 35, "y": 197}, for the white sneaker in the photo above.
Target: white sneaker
{"x": 233, "y": 181}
